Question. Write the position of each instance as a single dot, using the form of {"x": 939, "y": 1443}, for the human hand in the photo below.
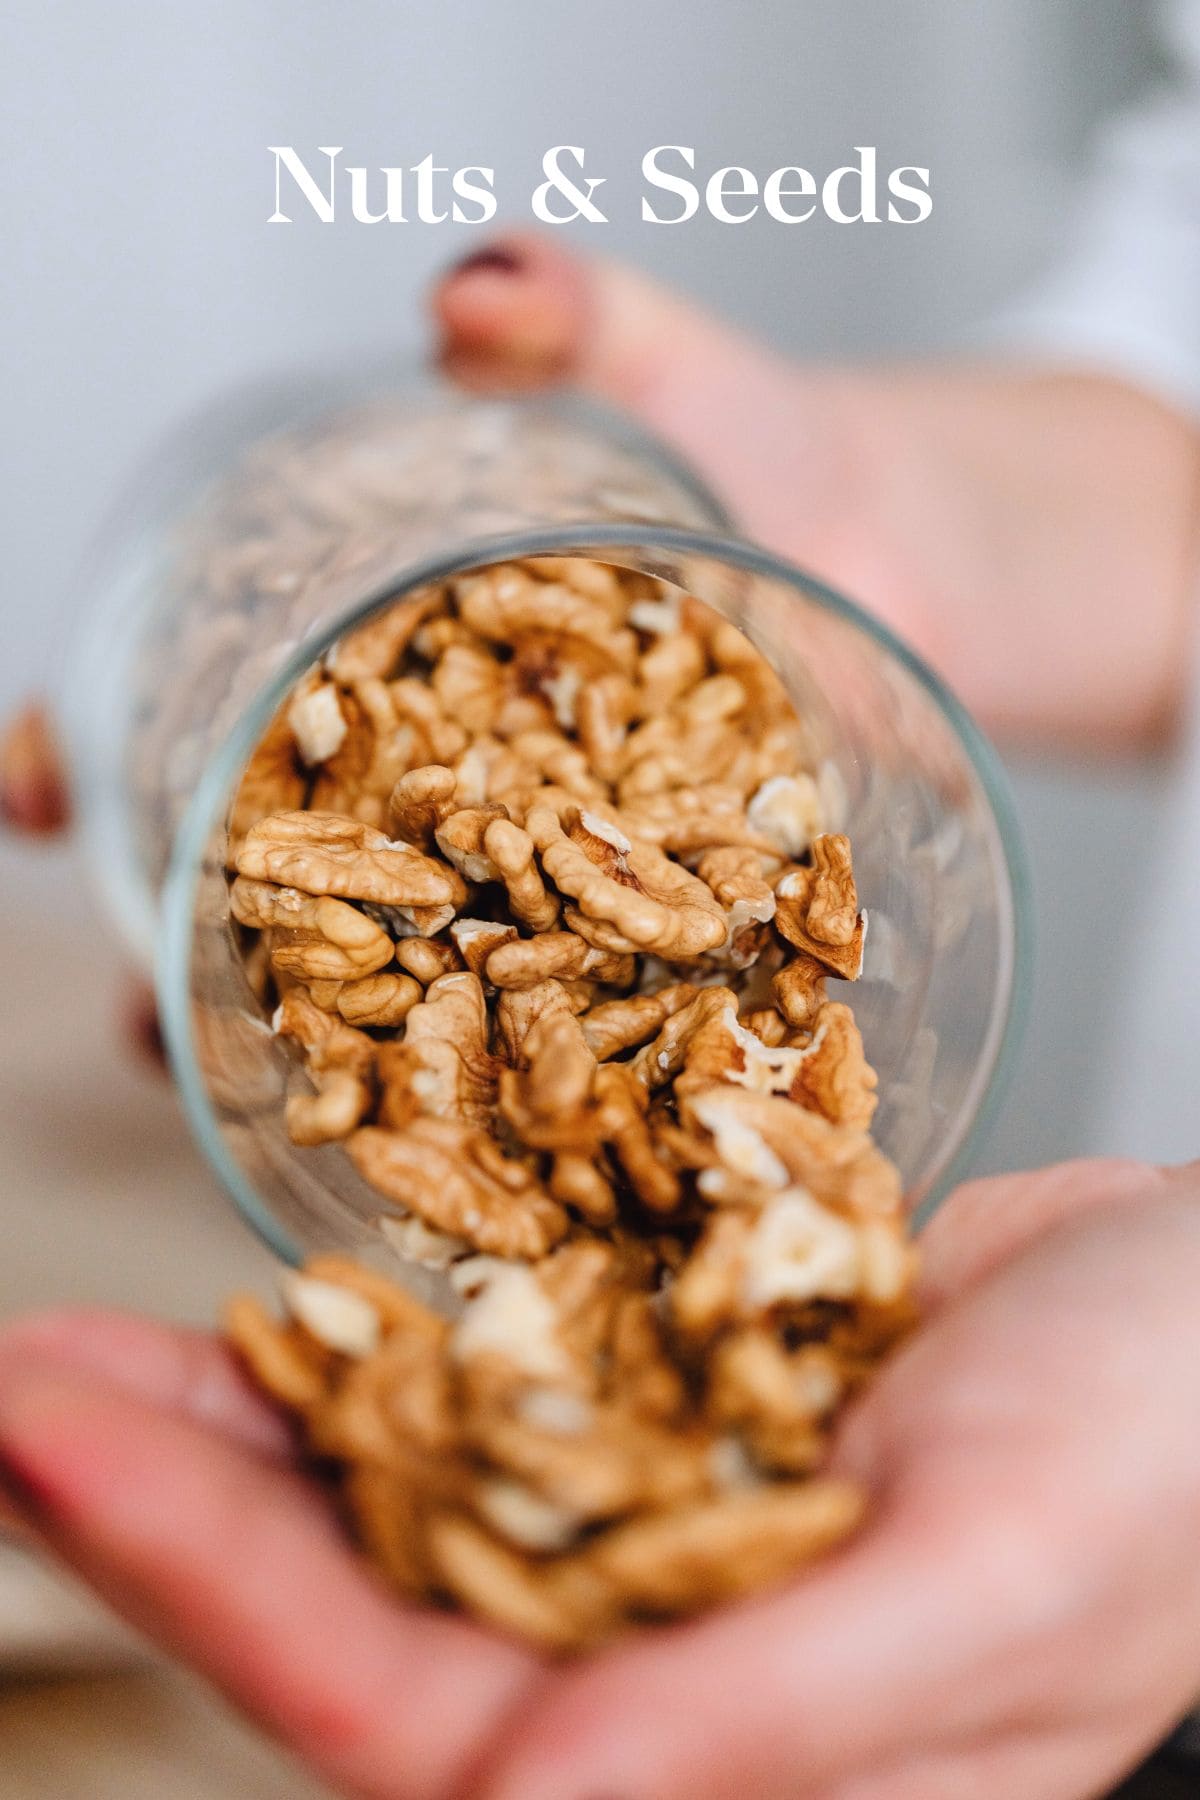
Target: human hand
{"x": 1019, "y": 1617}
{"x": 1030, "y": 531}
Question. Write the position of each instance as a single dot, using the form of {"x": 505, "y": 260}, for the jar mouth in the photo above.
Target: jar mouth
{"x": 605, "y": 542}
{"x": 198, "y": 451}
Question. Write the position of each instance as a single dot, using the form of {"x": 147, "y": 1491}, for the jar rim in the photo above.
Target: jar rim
{"x": 588, "y": 539}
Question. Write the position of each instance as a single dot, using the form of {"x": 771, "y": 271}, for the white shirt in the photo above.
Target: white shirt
{"x": 1125, "y": 298}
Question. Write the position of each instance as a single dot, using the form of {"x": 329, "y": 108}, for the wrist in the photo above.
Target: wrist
{"x": 1060, "y": 570}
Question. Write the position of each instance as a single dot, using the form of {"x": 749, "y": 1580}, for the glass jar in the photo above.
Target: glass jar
{"x": 268, "y": 532}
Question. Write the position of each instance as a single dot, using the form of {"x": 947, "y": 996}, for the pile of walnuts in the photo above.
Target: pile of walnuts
{"x": 535, "y": 875}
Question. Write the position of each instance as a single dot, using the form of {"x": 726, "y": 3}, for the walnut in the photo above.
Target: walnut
{"x": 271, "y": 781}
{"x": 597, "y": 581}
{"x": 669, "y": 667}
{"x": 375, "y": 647}
{"x": 767, "y": 1025}
{"x": 774, "y": 1399}
{"x": 427, "y": 958}
{"x": 509, "y": 1315}
{"x": 798, "y": 990}
{"x": 460, "y": 838}
{"x": 651, "y": 902}
{"x": 790, "y": 1251}
{"x": 548, "y": 1100}
{"x": 516, "y": 1596}
{"x": 340, "y": 1103}
{"x": 419, "y": 802}
{"x": 414, "y": 1242}
{"x": 446, "y": 1036}
{"x": 415, "y": 703}
{"x": 376, "y": 750}
{"x": 620, "y": 1024}
{"x": 510, "y": 850}
{"x": 506, "y": 604}
{"x": 546, "y": 680}
{"x": 561, "y": 955}
{"x": 475, "y": 939}
{"x": 518, "y": 1010}
{"x": 577, "y": 1181}
{"x": 317, "y": 936}
{"x": 469, "y": 684}
{"x": 734, "y": 873}
{"x": 321, "y": 853}
{"x": 491, "y": 772}
{"x": 730, "y": 649}
{"x": 437, "y": 1169}
{"x": 686, "y": 820}
{"x": 316, "y": 721}
{"x": 678, "y": 1563}
{"x": 378, "y": 1000}
{"x": 623, "y": 1125}
{"x": 556, "y": 759}
{"x": 685, "y": 1038}
{"x": 833, "y": 1076}
{"x": 328, "y": 1040}
{"x": 839, "y": 1165}
{"x": 787, "y": 810}
{"x": 286, "y": 1362}
{"x": 602, "y": 712}
{"x": 818, "y": 908}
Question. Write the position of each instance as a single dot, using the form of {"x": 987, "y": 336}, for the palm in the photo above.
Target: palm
{"x": 1035, "y": 1499}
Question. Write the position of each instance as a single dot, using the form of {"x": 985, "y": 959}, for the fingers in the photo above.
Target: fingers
{"x": 782, "y": 1698}
{"x": 986, "y": 1223}
{"x": 998, "y": 1548}
{"x": 233, "y": 1563}
{"x": 189, "y": 1373}
{"x": 516, "y": 312}
{"x": 527, "y": 304}
{"x": 528, "y": 311}
{"x": 33, "y": 780}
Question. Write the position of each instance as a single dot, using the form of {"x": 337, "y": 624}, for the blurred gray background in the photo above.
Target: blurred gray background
{"x": 138, "y": 278}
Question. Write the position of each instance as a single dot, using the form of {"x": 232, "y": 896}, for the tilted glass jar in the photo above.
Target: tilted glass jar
{"x": 268, "y": 532}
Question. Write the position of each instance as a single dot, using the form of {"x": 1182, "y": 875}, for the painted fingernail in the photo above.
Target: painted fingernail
{"x": 33, "y": 786}
{"x": 495, "y": 260}
{"x": 19, "y": 1492}
{"x": 141, "y": 1021}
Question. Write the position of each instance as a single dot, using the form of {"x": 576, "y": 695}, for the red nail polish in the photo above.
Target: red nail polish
{"x": 20, "y": 1493}
{"x": 141, "y": 1021}
{"x": 495, "y": 260}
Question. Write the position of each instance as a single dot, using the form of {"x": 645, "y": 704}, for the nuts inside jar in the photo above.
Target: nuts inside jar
{"x": 548, "y": 913}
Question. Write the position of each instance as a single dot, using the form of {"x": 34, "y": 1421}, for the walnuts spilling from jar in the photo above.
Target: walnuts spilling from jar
{"x": 545, "y": 898}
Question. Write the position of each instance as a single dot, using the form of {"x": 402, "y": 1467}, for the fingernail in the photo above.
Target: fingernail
{"x": 33, "y": 789}
{"x": 496, "y": 260}
{"x": 141, "y": 1023}
{"x": 20, "y": 1488}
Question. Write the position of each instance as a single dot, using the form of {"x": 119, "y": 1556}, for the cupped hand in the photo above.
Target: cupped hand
{"x": 1020, "y": 1616}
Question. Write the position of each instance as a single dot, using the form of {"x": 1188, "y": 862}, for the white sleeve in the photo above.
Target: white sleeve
{"x": 1125, "y": 294}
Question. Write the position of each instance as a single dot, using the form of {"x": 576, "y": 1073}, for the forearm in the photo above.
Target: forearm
{"x": 1042, "y": 532}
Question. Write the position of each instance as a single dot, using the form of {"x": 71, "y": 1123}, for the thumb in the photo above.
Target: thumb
{"x": 525, "y": 312}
